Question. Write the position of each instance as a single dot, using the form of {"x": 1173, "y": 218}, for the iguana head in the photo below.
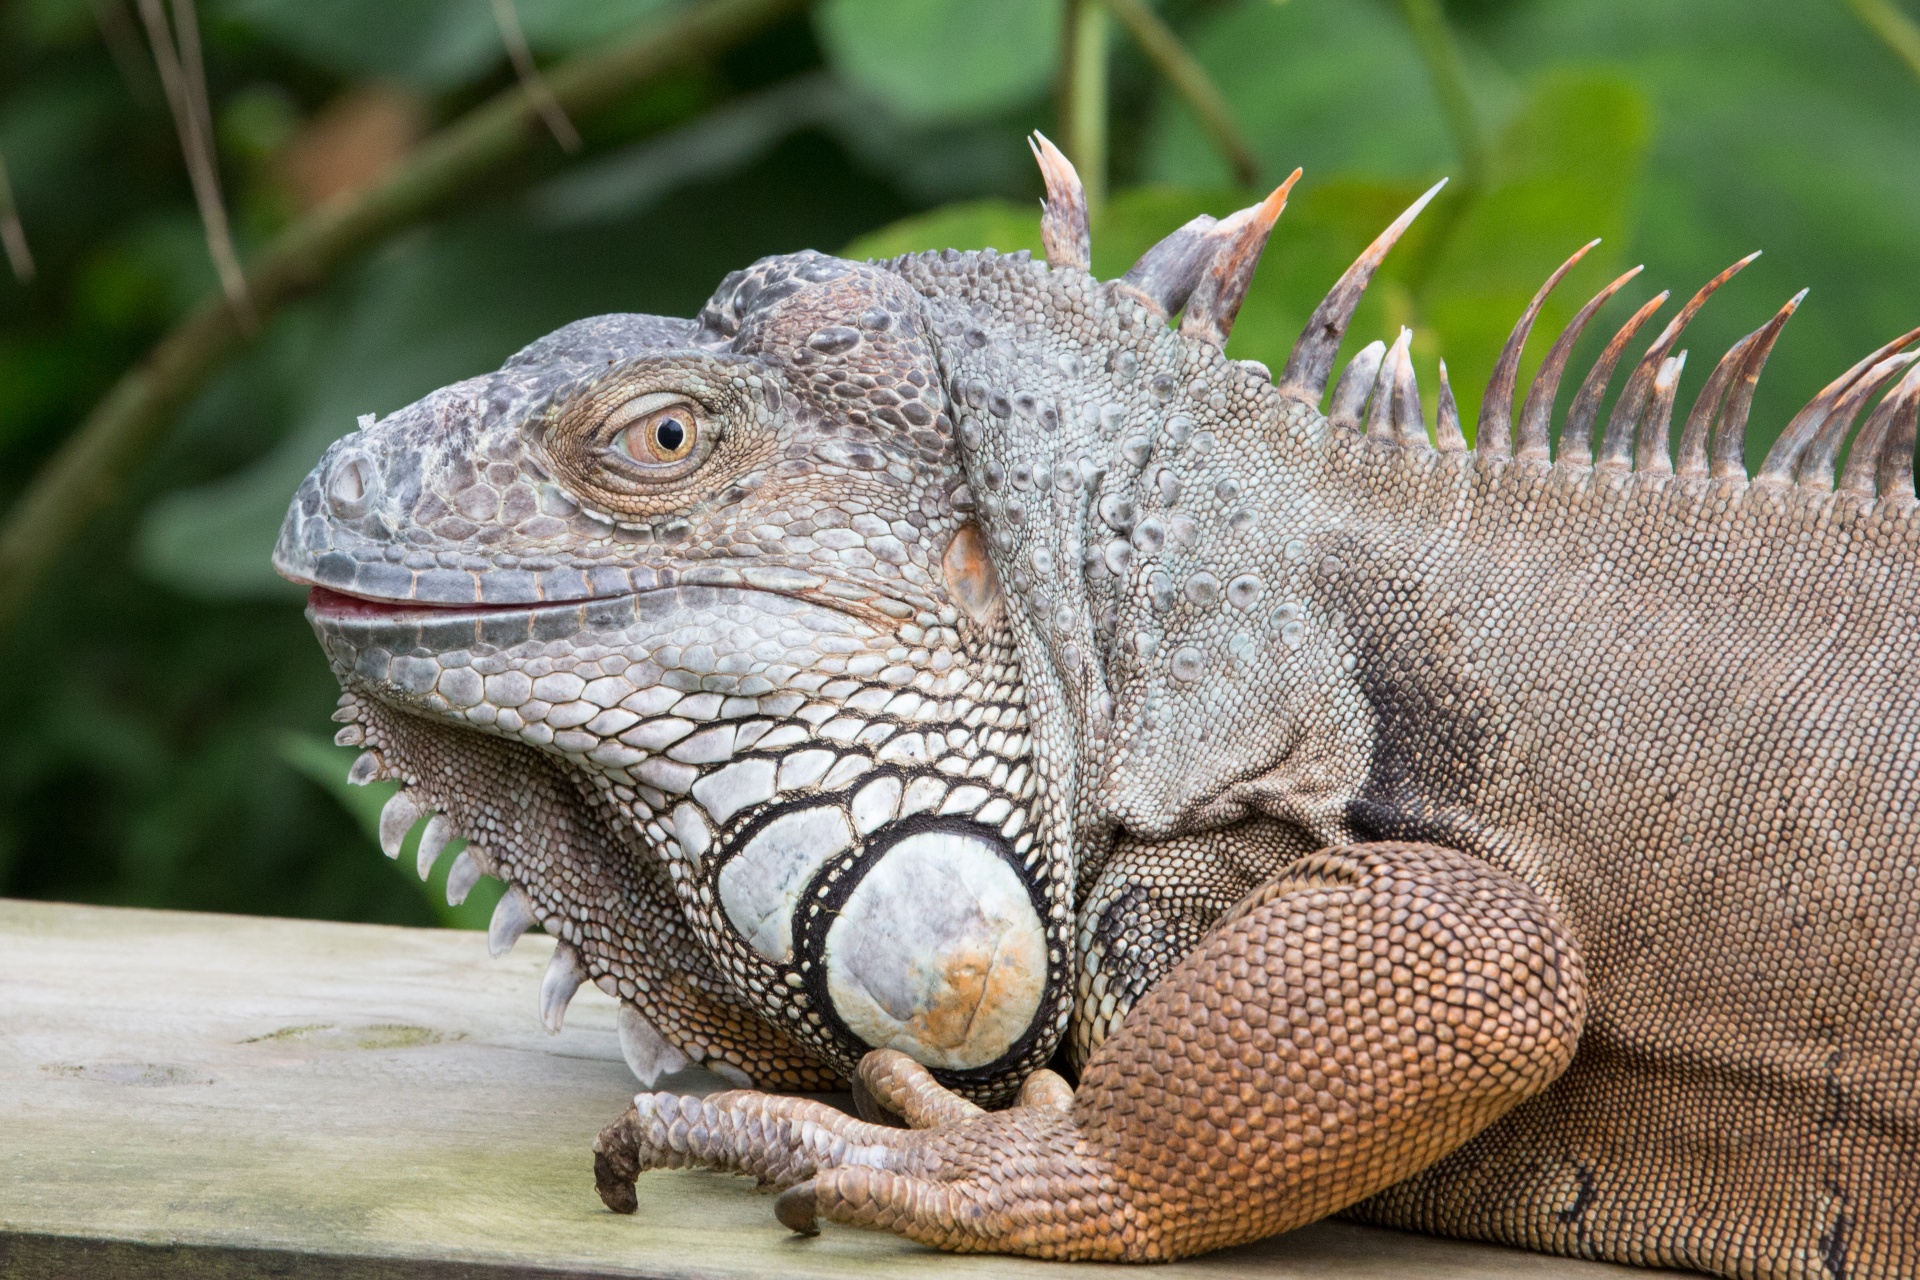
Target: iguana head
{"x": 722, "y": 573}
{"x": 710, "y": 613}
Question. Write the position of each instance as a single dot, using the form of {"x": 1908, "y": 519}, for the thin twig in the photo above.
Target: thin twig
{"x": 186, "y": 36}
{"x": 1083, "y": 96}
{"x": 507, "y": 18}
{"x": 123, "y": 46}
{"x": 1449, "y": 74}
{"x": 12, "y": 234}
{"x": 184, "y": 79}
{"x": 1191, "y": 81}
{"x": 1895, "y": 28}
{"x": 88, "y": 469}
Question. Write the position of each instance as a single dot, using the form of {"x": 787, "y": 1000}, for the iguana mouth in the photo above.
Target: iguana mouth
{"x": 325, "y": 602}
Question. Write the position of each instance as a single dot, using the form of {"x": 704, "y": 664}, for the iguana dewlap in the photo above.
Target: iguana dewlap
{"x": 910, "y": 669}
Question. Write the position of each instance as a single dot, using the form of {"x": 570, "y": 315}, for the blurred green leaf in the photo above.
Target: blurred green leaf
{"x": 122, "y": 288}
{"x": 432, "y": 44}
{"x": 36, "y": 371}
{"x": 943, "y": 60}
{"x": 52, "y": 23}
{"x": 258, "y": 121}
{"x": 169, "y": 252}
{"x": 1333, "y": 86}
{"x": 326, "y": 764}
{"x": 1567, "y": 170}
{"x": 1323, "y": 230}
{"x": 633, "y": 178}
{"x": 566, "y": 26}
{"x": 51, "y": 127}
{"x": 1780, "y": 127}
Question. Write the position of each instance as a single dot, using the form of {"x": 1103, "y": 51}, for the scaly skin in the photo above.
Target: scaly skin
{"x": 1478, "y": 843}
{"x": 1407, "y": 1044}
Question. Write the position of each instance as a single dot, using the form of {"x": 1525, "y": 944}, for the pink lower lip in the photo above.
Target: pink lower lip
{"x": 337, "y": 604}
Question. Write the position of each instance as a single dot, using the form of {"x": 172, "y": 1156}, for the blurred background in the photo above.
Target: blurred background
{"x": 232, "y": 226}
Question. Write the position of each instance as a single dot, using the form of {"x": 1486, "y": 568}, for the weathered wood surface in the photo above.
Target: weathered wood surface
{"x": 195, "y": 1095}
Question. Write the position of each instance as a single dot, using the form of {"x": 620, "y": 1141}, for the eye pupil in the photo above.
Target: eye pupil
{"x": 656, "y": 435}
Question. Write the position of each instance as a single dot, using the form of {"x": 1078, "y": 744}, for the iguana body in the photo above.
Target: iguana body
{"x": 962, "y": 662}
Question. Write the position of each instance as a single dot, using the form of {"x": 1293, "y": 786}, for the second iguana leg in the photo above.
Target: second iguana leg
{"x": 1356, "y": 1018}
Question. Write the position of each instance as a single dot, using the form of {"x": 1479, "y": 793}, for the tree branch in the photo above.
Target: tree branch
{"x": 176, "y": 53}
{"x": 86, "y": 473}
{"x": 507, "y": 18}
{"x": 13, "y": 235}
{"x": 1191, "y": 81}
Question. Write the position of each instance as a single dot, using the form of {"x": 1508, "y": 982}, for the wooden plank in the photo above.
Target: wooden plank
{"x": 214, "y": 1096}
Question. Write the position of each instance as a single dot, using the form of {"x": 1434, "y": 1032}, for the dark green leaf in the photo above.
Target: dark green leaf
{"x": 1566, "y": 171}
{"x": 1780, "y": 127}
{"x": 978, "y": 224}
{"x": 1334, "y": 86}
{"x": 943, "y": 60}
{"x": 434, "y": 44}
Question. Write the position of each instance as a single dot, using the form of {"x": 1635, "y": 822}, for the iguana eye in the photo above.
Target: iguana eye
{"x": 655, "y": 430}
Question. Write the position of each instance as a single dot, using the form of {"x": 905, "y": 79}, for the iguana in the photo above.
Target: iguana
{"x": 914, "y": 673}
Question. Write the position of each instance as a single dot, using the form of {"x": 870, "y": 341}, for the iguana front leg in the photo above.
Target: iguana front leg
{"x": 1356, "y": 1018}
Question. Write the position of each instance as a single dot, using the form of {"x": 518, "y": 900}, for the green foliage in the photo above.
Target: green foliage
{"x": 974, "y": 224}
{"x": 432, "y": 44}
{"x": 1333, "y": 86}
{"x": 1781, "y": 127}
{"x": 944, "y": 60}
{"x": 1775, "y": 127}
{"x": 167, "y": 746}
{"x": 1566, "y": 171}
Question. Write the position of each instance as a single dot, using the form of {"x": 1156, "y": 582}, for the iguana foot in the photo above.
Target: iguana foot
{"x": 777, "y": 1140}
{"x": 960, "y": 1178}
{"x": 783, "y": 1140}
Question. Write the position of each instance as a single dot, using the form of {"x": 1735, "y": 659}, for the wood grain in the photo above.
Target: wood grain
{"x": 224, "y": 1096}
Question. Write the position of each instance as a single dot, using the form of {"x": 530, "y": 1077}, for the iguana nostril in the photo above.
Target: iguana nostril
{"x": 350, "y": 485}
